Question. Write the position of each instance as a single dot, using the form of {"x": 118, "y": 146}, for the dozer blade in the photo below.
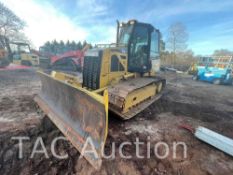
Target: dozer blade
{"x": 78, "y": 113}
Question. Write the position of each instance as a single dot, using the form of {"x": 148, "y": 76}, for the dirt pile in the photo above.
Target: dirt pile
{"x": 10, "y": 161}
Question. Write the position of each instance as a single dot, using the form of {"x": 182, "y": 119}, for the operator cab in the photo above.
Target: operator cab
{"x": 18, "y": 48}
{"x": 142, "y": 42}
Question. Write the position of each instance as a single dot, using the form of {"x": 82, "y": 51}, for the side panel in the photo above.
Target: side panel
{"x": 117, "y": 66}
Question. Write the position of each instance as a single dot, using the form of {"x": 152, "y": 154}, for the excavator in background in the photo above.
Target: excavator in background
{"x": 18, "y": 53}
{"x": 119, "y": 77}
{"x": 69, "y": 61}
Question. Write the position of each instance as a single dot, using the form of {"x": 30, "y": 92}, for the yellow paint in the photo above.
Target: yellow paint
{"x": 137, "y": 96}
{"x": 62, "y": 77}
{"x": 31, "y": 58}
{"x": 108, "y": 77}
{"x": 17, "y": 62}
{"x": 73, "y": 80}
{"x": 106, "y": 110}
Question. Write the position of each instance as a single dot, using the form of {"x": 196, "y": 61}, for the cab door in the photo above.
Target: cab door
{"x": 139, "y": 46}
{"x": 154, "y": 51}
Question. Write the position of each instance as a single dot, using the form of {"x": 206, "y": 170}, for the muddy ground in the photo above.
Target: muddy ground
{"x": 184, "y": 102}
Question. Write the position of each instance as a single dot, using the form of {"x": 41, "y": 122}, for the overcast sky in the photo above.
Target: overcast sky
{"x": 209, "y": 22}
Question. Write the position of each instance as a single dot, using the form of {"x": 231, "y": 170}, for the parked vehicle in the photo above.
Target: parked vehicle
{"x": 18, "y": 53}
{"x": 68, "y": 61}
{"x": 214, "y": 75}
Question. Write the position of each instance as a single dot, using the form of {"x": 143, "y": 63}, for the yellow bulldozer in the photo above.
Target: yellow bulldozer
{"x": 119, "y": 77}
{"x": 21, "y": 54}
{"x": 18, "y": 53}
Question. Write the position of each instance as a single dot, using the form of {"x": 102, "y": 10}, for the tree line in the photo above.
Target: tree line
{"x": 56, "y": 48}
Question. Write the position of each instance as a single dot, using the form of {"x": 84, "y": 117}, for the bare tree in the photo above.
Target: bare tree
{"x": 177, "y": 37}
{"x": 10, "y": 26}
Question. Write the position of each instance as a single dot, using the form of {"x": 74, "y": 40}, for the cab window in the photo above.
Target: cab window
{"x": 154, "y": 45}
{"x": 138, "y": 53}
{"x": 116, "y": 66}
